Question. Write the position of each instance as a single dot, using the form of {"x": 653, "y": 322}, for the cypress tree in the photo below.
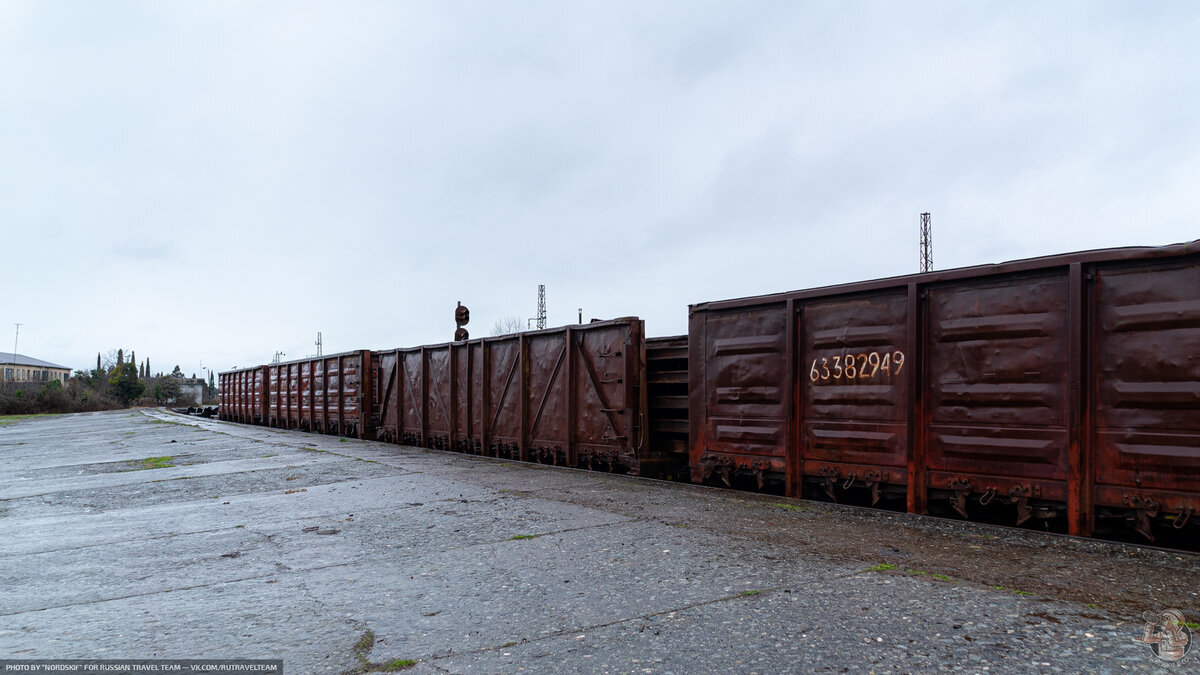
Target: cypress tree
{"x": 120, "y": 357}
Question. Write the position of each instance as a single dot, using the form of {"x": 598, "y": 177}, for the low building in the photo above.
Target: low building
{"x": 21, "y": 368}
{"x": 192, "y": 389}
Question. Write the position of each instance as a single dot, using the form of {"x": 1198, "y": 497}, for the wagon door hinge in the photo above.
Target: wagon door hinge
{"x": 961, "y": 487}
{"x": 1144, "y": 508}
{"x": 1019, "y": 495}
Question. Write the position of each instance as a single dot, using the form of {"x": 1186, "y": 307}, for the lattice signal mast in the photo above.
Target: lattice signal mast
{"x": 926, "y": 244}
{"x": 541, "y": 313}
{"x": 320, "y": 345}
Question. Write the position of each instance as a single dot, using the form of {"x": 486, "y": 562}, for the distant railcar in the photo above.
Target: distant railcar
{"x": 569, "y": 396}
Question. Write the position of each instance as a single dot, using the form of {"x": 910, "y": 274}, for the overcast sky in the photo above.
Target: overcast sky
{"x": 216, "y": 181}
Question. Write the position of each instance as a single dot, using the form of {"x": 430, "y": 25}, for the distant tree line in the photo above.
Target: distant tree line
{"x": 114, "y": 383}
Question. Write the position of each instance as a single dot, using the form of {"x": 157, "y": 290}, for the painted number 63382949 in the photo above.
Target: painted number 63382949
{"x": 863, "y": 366}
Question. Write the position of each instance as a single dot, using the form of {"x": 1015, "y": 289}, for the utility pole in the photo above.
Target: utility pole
{"x": 926, "y": 244}
{"x": 541, "y": 312}
{"x": 15, "y": 338}
{"x": 319, "y": 345}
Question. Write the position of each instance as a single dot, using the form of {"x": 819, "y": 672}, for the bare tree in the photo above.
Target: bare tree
{"x": 507, "y": 325}
{"x": 110, "y": 358}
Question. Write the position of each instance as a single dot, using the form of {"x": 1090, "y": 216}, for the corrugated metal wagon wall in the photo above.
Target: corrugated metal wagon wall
{"x": 244, "y": 395}
{"x": 571, "y": 396}
{"x": 1060, "y": 389}
{"x": 328, "y": 394}
{"x": 1145, "y": 393}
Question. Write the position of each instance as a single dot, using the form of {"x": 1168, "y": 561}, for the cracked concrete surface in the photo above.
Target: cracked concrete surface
{"x": 262, "y": 543}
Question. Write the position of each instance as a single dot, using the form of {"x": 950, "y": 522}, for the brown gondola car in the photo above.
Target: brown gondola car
{"x": 326, "y": 394}
{"x": 571, "y": 396}
{"x": 1066, "y": 386}
{"x": 243, "y": 395}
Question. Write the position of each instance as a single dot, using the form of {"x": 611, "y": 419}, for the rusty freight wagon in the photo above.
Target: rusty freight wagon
{"x": 243, "y": 395}
{"x": 569, "y": 396}
{"x": 325, "y": 394}
{"x": 1065, "y": 388}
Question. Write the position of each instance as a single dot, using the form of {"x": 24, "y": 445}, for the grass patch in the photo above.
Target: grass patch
{"x": 1092, "y": 605}
{"x": 364, "y": 646}
{"x": 681, "y": 525}
{"x": 1192, "y": 624}
{"x": 313, "y": 450}
{"x": 789, "y": 507}
{"x": 509, "y": 644}
{"x": 266, "y": 456}
{"x": 1026, "y": 594}
{"x": 881, "y": 567}
{"x": 152, "y": 463}
{"x": 942, "y": 577}
{"x": 238, "y": 526}
{"x": 343, "y": 440}
{"x": 746, "y": 594}
{"x": 523, "y": 536}
{"x": 919, "y": 573}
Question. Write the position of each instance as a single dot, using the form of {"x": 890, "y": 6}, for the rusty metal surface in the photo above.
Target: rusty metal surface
{"x": 1147, "y": 386}
{"x": 667, "y": 404}
{"x": 997, "y": 385}
{"x": 739, "y": 381}
{"x": 328, "y": 394}
{"x": 242, "y": 395}
{"x": 569, "y": 396}
{"x": 854, "y": 392}
{"x": 1065, "y": 388}
{"x": 503, "y": 378}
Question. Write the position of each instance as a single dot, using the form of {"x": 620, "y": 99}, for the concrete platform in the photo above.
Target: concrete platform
{"x": 339, "y": 555}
